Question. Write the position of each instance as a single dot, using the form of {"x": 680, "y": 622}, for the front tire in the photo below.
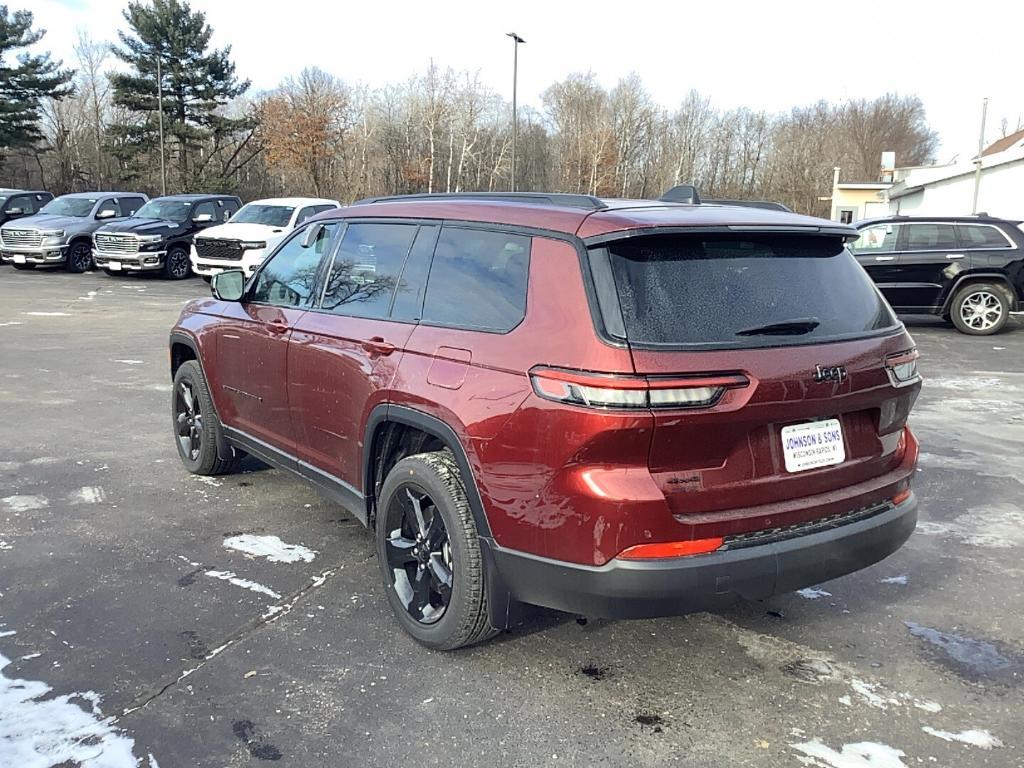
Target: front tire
{"x": 981, "y": 309}
{"x": 429, "y": 553}
{"x": 177, "y": 265}
{"x": 79, "y": 258}
{"x": 194, "y": 422}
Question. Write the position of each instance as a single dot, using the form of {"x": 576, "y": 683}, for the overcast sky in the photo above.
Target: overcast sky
{"x": 756, "y": 54}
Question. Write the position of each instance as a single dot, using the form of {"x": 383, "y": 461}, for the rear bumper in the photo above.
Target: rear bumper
{"x": 623, "y": 589}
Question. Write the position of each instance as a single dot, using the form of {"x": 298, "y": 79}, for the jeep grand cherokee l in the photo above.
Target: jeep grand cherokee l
{"x": 612, "y": 408}
{"x": 967, "y": 269}
{"x": 61, "y": 233}
{"x": 252, "y": 233}
{"x": 158, "y": 237}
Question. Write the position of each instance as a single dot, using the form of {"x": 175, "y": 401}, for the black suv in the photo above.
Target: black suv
{"x": 967, "y": 269}
{"x": 159, "y": 235}
{"x": 16, "y": 203}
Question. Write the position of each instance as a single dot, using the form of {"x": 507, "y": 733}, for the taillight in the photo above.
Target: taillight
{"x": 598, "y": 390}
{"x": 902, "y": 367}
{"x": 665, "y": 549}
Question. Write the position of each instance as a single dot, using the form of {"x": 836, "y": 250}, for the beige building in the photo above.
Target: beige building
{"x": 856, "y": 200}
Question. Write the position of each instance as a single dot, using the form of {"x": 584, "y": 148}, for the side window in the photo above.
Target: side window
{"x": 366, "y": 269}
{"x": 129, "y": 205}
{"x": 205, "y": 209}
{"x": 409, "y": 293}
{"x": 304, "y": 214}
{"x": 931, "y": 237}
{"x": 289, "y": 278}
{"x": 977, "y": 236}
{"x": 876, "y": 239}
{"x": 228, "y": 208}
{"x": 109, "y": 204}
{"x": 24, "y": 202}
{"x": 478, "y": 279}
{"x": 321, "y": 208}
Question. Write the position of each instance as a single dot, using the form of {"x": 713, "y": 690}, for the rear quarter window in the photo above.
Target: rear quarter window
{"x": 728, "y": 291}
{"x": 478, "y": 280}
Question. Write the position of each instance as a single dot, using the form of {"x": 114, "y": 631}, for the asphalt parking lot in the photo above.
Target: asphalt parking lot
{"x": 138, "y": 628}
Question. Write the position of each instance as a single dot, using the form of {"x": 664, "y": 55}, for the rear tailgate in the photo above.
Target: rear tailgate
{"x": 798, "y": 318}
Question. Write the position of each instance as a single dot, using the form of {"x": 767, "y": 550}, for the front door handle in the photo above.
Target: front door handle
{"x": 278, "y": 326}
{"x": 885, "y": 258}
{"x": 954, "y": 255}
{"x": 376, "y": 345}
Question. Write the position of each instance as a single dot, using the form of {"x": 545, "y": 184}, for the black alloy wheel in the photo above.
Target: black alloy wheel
{"x": 419, "y": 554}
{"x": 79, "y": 258}
{"x": 188, "y": 420}
{"x": 177, "y": 265}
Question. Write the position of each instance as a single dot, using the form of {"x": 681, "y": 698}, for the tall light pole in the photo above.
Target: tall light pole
{"x": 516, "y": 40}
{"x": 977, "y": 160}
{"x": 160, "y": 124}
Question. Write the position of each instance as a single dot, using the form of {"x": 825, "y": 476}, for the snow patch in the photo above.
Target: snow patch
{"x": 46, "y": 314}
{"x": 39, "y": 733}
{"x": 973, "y": 737}
{"x": 252, "y": 586}
{"x": 999, "y": 526}
{"x": 207, "y": 481}
{"x": 4, "y": 545}
{"x": 8, "y": 633}
{"x": 863, "y": 754}
{"x": 270, "y": 547}
{"x": 89, "y": 494}
{"x": 11, "y": 322}
{"x": 24, "y": 503}
{"x": 129, "y": 362}
{"x": 868, "y": 692}
{"x": 894, "y": 580}
{"x": 813, "y": 593}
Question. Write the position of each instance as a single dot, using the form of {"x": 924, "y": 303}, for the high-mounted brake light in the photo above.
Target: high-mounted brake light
{"x": 902, "y": 367}
{"x": 671, "y": 549}
{"x": 597, "y": 390}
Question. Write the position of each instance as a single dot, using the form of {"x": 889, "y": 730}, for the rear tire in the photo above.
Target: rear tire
{"x": 195, "y": 425}
{"x": 428, "y": 548}
{"x": 79, "y": 258}
{"x": 177, "y": 265}
{"x": 981, "y": 309}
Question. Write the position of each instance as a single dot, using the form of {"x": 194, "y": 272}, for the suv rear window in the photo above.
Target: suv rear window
{"x": 729, "y": 290}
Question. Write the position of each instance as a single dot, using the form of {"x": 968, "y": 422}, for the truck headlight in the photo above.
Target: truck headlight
{"x": 252, "y": 245}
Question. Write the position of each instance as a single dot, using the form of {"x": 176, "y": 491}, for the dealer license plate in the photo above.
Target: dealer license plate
{"x": 813, "y": 444}
{"x": 19, "y": 258}
{"x": 114, "y": 266}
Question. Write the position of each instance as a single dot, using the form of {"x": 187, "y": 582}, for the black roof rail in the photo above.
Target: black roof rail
{"x": 683, "y": 193}
{"x": 557, "y": 199}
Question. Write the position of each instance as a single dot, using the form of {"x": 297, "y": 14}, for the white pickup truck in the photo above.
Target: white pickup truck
{"x": 253, "y": 232}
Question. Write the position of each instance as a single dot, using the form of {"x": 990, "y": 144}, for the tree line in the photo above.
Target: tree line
{"x": 95, "y": 125}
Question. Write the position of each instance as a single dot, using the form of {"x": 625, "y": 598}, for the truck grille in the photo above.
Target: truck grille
{"x": 226, "y": 250}
{"x": 21, "y": 238}
{"x": 115, "y": 244}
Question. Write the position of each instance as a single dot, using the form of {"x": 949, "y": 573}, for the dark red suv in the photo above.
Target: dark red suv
{"x": 613, "y": 408}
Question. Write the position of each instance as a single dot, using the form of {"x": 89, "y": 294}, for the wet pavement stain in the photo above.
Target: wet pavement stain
{"x": 246, "y": 732}
{"x": 197, "y": 649}
{"x": 972, "y": 658}
{"x": 189, "y": 578}
{"x": 650, "y": 720}
{"x": 594, "y": 671}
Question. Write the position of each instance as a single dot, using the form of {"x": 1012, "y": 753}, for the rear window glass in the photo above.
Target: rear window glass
{"x": 742, "y": 291}
{"x": 976, "y": 236}
{"x": 931, "y": 237}
{"x": 478, "y": 280}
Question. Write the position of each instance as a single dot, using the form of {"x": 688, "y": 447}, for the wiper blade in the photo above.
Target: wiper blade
{"x": 793, "y": 327}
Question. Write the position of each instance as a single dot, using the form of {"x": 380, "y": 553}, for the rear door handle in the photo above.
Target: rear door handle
{"x": 278, "y": 326}
{"x": 885, "y": 258}
{"x": 954, "y": 255}
{"x": 376, "y": 345}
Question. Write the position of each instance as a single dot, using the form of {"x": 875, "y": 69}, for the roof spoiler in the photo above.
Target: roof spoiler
{"x": 683, "y": 193}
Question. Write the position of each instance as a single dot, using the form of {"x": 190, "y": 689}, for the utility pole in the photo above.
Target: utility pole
{"x": 977, "y": 160}
{"x": 160, "y": 123}
{"x": 516, "y": 40}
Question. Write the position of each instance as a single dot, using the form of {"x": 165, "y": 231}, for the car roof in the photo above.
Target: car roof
{"x": 294, "y": 202}
{"x": 23, "y": 192}
{"x": 977, "y": 219}
{"x": 585, "y": 216}
{"x": 194, "y": 197}
{"x": 97, "y": 195}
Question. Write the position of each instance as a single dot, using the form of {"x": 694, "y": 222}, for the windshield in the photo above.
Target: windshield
{"x": 170, "y": 210}
{"x": 271, "y": 215}
{"x": 742, "y": 290}
{"x": 69, "y": 206}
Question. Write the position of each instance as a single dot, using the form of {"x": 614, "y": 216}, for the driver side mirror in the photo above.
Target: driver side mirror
{"x": 106, "y": 213}
{"x": 202, "y": 218}
{"x": 14, "y": 211}
{"x": 228, "y": 285}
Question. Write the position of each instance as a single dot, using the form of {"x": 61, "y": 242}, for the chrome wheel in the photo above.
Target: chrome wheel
{"x": 188, "y": 420}
{"x": 419, "y": 554}
{"x": 981, "y": 310}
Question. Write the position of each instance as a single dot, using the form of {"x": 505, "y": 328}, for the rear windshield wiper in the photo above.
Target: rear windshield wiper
{"x": 793, "y": 327}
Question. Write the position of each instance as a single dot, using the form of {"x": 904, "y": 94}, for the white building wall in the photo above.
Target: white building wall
{"x": 1001, "y": 194}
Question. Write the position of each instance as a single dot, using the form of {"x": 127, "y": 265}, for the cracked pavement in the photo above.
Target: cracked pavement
{"x": 106, "y": 545}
